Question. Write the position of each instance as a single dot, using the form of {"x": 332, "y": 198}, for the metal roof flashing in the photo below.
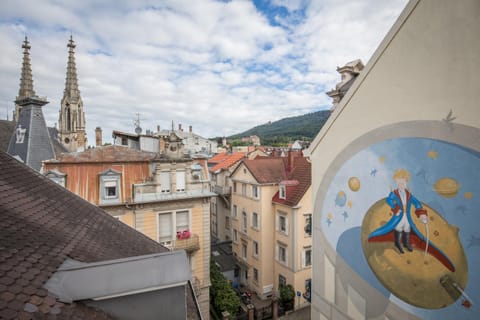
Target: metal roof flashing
{"x": 75, "y": 280}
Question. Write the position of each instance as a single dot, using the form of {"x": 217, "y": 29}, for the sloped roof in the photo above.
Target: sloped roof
{"x": 302, "y": 176}
{"x": 228, "y": 161}
{"x": 112, "y": 153}
{"x": 218, "y": 157}
{"x": 41, "y": 225}
{"x": 6, "y": 130}
{"x": 267, "y": 170}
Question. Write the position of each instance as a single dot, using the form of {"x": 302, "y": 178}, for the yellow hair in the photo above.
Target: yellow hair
{"x": 401, "y": 173}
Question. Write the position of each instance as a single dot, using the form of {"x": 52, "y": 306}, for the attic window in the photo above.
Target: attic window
{"x": 282, "y": 192}
{"x": 109, "y": 187}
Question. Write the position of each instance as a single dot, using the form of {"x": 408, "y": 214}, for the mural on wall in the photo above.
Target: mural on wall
{"x": 403, "y": 213}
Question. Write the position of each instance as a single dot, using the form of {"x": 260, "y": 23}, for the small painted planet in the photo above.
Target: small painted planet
{"x": 446, "y": 187}
{"x": 341, "y": 199}
{"x": 354, "y": 184}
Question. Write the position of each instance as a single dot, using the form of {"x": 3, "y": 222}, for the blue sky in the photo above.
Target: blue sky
{"x": 219, "y": 66}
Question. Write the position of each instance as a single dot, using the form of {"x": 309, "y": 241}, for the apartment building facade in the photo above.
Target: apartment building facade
{"x": 166, "y": 196}
{"x": 270, "y": 206}
{"x": 220, "y": 167}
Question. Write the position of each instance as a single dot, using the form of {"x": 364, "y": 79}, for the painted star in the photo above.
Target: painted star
{"x": 432, "y": 154}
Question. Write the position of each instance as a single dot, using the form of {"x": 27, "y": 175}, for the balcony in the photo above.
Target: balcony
{"x": 189, "y": 244}
{"x": 222, "y": 190}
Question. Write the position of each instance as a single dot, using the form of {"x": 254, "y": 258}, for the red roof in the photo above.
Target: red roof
{"x": 218, "y": 157}
{"x": 299, "y": 180}
{"x": 267, "y": 170}
{"x": 227, "y": 162}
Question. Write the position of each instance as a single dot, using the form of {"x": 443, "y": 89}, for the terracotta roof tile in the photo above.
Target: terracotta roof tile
{"x": 41, "y": 224}
{"x": 227, "y": 161}
{"x": 301, "y": 172}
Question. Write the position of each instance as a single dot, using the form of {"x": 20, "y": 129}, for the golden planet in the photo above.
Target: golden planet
{"x": 446, "y": 187}
{"x": 354, "y": 184}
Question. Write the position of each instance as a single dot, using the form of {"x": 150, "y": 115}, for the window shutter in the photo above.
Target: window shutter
{"x": 165, "y": 181}
{"x": 165, "y": 227}
{"x": 304, "y": 253}
{"x": 110, "y": 183}
{"x": 182, "y": 220}
{"x": 180, "y": 180}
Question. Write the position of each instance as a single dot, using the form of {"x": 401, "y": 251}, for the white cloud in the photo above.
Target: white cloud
{"x": 218, "y": 66}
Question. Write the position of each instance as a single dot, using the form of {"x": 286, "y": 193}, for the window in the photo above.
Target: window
{"x": 235, "y": 187}
{"x": 244, "y": 189}
{"x": 227, "y": 222}
{"x": 255, "y": 193}
{"x": 170, "y": 224}
{"x": 244, "y": 250}
{"x": 180, "y": 175}
{"x": 235, "y": 235}
{"x": 124, "y": 141}
{"x": 165, "y": 228}
{"x": 282, "y": 281}
{"x": 282, "y": 223}
{"x": 308, "y": 289}
{"x": 235, "y": 211}
{"x": 255, "y": 275}
{"x": 282, "y": 253}
{"x": 282, "y": 192}
{"x": 165, "y": 181}
{"x": 182, "y": 221}
{"x": 56, "y": 176}
{"x": 109, "y": 187}
{"x": 197, "y": 171}
{"x": 255, "y": 248}
{"x": 244, "y": 222}
{"x": 308, "y": 224}
{"x": 255, "y": 221}
{"x": 307, "y": 257}
{"x": 214, "y": 207}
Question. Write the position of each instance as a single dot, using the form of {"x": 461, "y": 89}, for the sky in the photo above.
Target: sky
{"x": 221, "y": 67}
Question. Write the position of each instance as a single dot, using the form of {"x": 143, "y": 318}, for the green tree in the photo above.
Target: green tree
{"x": 287, "y": 296}
{"x": 222, "y": 295}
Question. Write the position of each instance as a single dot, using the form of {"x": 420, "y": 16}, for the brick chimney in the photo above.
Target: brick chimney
{"x": 180, "y": 127}
{"x": 190, "y": 129}
{"x": 290, "y": 163}
{"x": 98, "y": 136}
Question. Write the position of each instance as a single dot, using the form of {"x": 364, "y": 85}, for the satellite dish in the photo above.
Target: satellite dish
{"x": 138, "y": 130}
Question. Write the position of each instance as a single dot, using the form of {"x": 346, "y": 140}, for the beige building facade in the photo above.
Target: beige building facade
{"x": 410, "y": 124}
{"x": 270, "y": 206}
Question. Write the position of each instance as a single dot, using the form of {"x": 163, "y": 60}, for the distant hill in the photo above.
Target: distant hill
{"x": 303, "y": 127}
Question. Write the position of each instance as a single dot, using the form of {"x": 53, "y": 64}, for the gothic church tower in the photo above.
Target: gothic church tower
{"x": 26, "y": 81}
{"x": 71, "y": 121}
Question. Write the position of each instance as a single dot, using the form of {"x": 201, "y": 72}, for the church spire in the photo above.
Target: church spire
{"x": 71, "y": 84}
{"x": 26, "y": 79}
{"x": 71, "y": 120}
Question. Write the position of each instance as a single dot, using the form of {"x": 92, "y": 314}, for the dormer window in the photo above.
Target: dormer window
{"x": 56, "y": 176}
{"x": 197, "y": 172}
{"x": 109, "y": 187}
{"x": 282, "y": 192}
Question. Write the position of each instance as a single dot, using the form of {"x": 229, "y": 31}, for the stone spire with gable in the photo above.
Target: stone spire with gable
{"x": 26, "y": 80}
{"x": 71, "y": 120}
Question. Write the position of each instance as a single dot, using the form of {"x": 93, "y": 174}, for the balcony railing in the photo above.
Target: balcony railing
{"x": 222, "y": 190}
{"x": 189, "y": 244}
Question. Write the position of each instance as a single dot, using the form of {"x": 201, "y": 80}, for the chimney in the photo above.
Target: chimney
{"x": 98, "y": 136}
{"x": 291, "y": 156}
{"x": 180, "y": 127}
{"x": 158, "y": 128}
{"x": 190, "y": 129}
